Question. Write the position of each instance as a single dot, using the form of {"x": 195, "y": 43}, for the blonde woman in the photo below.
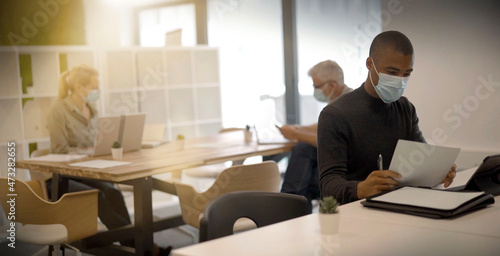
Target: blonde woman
{"x": 72, "y": 123}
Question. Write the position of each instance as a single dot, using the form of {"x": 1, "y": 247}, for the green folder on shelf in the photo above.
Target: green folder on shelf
{"x": 25, "y": 71}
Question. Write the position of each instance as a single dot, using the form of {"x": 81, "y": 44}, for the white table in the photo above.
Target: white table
{"x": 365, "y": 231}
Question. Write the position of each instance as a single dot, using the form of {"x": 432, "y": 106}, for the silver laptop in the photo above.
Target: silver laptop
{"x": 126, "y": 129}
{"x": 153, "y": 135}
{"x": 133, "y": 128}
{"x": 108, "y": 130}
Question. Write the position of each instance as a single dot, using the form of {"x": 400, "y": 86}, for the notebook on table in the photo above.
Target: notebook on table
{"x": 431, "y": 203}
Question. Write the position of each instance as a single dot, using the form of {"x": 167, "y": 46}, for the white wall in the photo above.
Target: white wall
{"x": 110, "y": 23}
{"x": 455, "y": 85}
{"x": 102, "y": 23}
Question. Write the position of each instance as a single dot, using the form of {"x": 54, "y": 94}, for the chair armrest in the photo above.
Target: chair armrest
{"x": 78, "y": 212}
{"x": 191, "y": 202}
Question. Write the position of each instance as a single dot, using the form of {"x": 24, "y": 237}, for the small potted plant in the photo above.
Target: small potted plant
{"x": 247, "y": 134}
{"x": 180, "y": 142}
{"x": 117, "y": 150}
{"x": 328, "y": 215}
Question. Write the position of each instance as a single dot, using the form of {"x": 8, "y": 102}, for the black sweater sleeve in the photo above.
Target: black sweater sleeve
{"x": 333, "y": 157}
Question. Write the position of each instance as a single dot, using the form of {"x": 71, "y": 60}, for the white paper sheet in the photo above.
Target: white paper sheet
{"x": 100, "y": 164}
{"x": 270, "y": 136}
{"x": 422, "y": 164}
{"x": 431, "y": 198}
{"x": 58, "y": 158}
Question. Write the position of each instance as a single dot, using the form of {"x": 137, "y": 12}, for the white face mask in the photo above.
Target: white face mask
{"x": 389, "y": 88}
{"x": 319, "y": 95}
{"x": 92, "y": 96}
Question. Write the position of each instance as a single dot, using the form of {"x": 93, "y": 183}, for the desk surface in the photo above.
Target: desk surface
{"x": 366, "y": 231}
{"x": 147, "y": 162}
{"x": 166, "y": 158}
{"x": 302, "y": 236}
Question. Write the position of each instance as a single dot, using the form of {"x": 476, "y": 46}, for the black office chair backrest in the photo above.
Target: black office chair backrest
{"x": 264, "y": 208}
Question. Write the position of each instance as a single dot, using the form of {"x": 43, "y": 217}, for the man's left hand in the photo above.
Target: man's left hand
{"x": 451, "y": 175}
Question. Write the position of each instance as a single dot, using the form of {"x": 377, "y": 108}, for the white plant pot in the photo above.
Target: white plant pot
{"x": 329, "y": 223}
{"x": 248, "y": 136}
{"x": 180, "y": 144}
{"x": 117, "y": 153}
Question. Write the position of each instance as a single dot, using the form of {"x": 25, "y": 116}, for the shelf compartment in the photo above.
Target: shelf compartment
{"x": 206, "y": 66}
{"x": 77, "y": 58}
{"x": 181, "y": 105}
{"x": 209, "y": 129}
{"x": 121, "y": 103}
{"x": 9, "y": 74}
{"x": 45, "y": 67}
{"x": 150, "y": 69}
{"x": 153, "y": 104}
{"x": 11, "y": 121}
{"x": 208, "y": 102}
{"x": 179, "y": 68}
{"x": 119, "y": 70}
{"x": 189, "y": 131}
{"x": 35, "y": 111}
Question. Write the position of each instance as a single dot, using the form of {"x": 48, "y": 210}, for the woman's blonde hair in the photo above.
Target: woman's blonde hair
{"x": 81, "y": 74}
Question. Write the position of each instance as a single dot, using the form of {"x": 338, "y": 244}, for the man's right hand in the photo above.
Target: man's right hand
{"x": 377, "y": 182}
{"x": 289, "y": 131}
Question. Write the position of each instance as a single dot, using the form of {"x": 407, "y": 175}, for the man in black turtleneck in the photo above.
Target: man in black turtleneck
{"x": 356, "y": 128}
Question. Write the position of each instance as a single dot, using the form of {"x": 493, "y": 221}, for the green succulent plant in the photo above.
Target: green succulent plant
{"x": 328, "y": 205}
{"x": 116, "y": 144}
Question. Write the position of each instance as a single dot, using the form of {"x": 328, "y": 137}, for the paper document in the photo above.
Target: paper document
{"x": 272, "y": 135}
{"x": 58, "y": 158}
{"x": 422, "y": 164}
{"x": 100, "y": 164}
{"x": 430, "y": 198}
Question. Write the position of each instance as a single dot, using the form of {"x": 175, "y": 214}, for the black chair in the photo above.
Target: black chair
{"x": 264, "y": 208}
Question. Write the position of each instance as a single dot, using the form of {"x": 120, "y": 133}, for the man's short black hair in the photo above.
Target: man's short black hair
{"x": 393, "y": 40}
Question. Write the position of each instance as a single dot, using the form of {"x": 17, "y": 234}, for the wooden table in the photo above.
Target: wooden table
{"x": 228, "y": 146}
{"x": 365, "y": 231}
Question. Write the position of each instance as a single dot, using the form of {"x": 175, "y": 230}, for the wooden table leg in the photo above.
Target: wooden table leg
{"x": 143, "y": 211}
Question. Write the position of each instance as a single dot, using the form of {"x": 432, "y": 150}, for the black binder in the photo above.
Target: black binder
{"x": 423, "y": 201}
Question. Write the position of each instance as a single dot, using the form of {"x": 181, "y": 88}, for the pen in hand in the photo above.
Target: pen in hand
{"x": 380, "y": 162}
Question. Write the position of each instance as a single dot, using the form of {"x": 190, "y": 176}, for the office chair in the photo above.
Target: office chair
{"x": 73, "y": 217}
{"x": 41, "y": 176}
{"x": 264, "y": 208}
{"x": 203, "y": 176}
{"x": 263, "y": 176}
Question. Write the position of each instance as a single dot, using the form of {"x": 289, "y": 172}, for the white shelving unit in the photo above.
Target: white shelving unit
{"x": 175, "y": 86}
